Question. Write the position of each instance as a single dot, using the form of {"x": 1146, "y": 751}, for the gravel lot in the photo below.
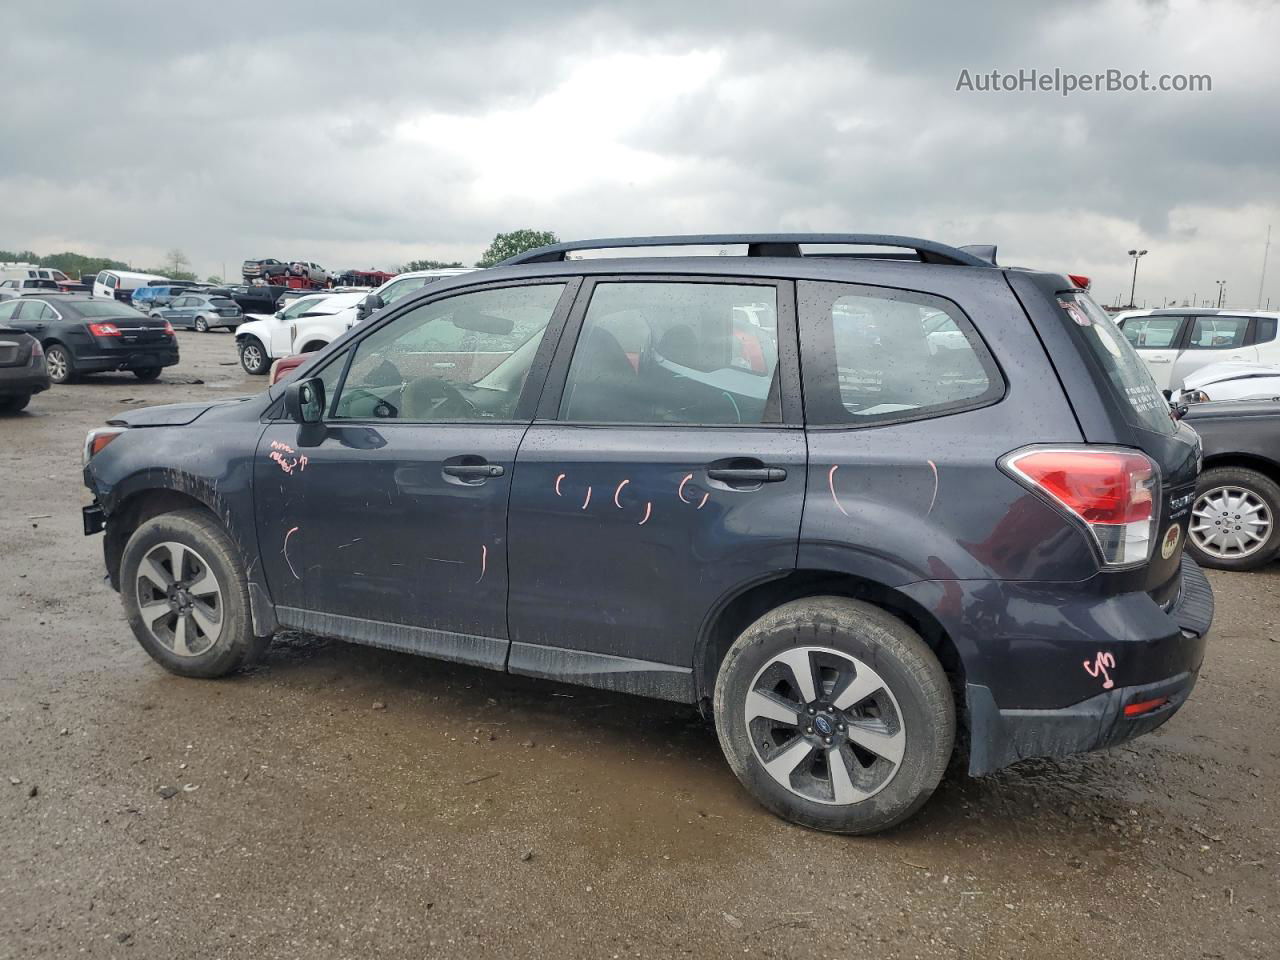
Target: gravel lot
{"x": 341, "y": 801}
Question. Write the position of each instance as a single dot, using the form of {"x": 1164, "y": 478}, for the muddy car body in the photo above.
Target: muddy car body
{"x": 576, "y": 469}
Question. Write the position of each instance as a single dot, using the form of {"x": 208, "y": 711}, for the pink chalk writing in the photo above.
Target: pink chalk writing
{"x": 484, "y": 561}
{"x": 288, "y": 458}
{"x": 648, "y": 511}
{"x": 703, "y": 502}
{"x": 285, "y": 550}
{"x": 831, "y": 485}
{"x": 934, "y": 499}
{"x": 680, "y": 489}
{"x": 1099, "y": 666}
{"x": 558, "y": 479}
{"x": 588, "y": 500}
{"x": 618, "y": 493}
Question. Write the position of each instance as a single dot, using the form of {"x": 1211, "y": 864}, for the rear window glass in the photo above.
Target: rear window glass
{"x": 103, "y": 308}
{"x": 1146, "y": 405}
{"x": 222, "y": 302}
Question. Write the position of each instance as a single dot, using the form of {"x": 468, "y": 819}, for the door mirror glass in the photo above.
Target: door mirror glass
{"x": 304, "y": 401}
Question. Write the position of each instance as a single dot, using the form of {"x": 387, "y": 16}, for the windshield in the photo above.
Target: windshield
{"x": 1146, "y": 405}
{"x": 298, "y": 306}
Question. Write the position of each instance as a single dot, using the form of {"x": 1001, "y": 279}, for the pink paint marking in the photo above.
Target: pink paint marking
{"x": 680, "y": 489}
{"x": 934, "y": 499}
{"x": 703, "y": 502}
{"x": 588, "y": 500}
{"x": 617, "y": 492}
{"x": 285, "y": 551}
{"x": 648, "y": 509}
{"x": 484, "y": 560}
{"x": 1099, "y": 667}
{"x": 831, "y": 485}
{"x": 558, "y": 479}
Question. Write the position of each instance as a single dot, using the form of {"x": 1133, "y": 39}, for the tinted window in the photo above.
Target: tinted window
{"x": 111, "y": 280}
{"x": 1266, "y": 329}
{"x": 895, "y": 356}
{"x": 221, "y": 302}
{"x": 1147, "y": 407}
{"x": 1218, "y": 333}
{"x": 675, "y": 353}
{"x": 461, "y": 358}
{"x": 1152, "y": 333}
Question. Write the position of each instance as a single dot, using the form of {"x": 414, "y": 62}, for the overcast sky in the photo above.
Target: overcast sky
{"x": 370, "y": 135}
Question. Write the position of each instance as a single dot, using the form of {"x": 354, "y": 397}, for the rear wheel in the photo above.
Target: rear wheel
{"x": 147, "y": 374}
{"x": 57, "y": 360}
{"x": 14, "y": 404}
{"x": 1235, "y": 520}
{"x": 835, "y": 715}
{"x": 202, "y": 325}
{"x": 186, "y": 596}
{"x": 253, "y": 356}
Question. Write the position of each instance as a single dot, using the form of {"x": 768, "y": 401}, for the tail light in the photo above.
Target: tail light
{"x": 1112, "y": 492}
{"x": 97, "y": 440}
{"x": 168, "y": 329}
{"x": 104, "y": 329}
{"x": 1082, "y": 282}
{"x": 37, "y": 351}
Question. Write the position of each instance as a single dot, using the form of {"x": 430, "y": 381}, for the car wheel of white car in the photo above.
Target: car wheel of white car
{"x": 1235, "y": 519}
{"x": 253, "y": 356}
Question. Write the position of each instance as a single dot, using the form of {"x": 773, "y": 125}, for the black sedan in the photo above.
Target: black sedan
{"x": 89, "y": 335}
{"x": 1235, "y": 519}
{"x": 22, "y": 369}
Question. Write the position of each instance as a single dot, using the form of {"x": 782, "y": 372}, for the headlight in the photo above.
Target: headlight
{"x": 98, "y": 439}
{"x": 1194, "y": 396}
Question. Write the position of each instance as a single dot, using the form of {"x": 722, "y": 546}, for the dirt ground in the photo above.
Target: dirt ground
{"x": 340, "y": 801}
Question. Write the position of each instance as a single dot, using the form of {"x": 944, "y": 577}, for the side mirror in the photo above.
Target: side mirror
{"x": 304, "y": 400}
{"x": 368, "y": 306}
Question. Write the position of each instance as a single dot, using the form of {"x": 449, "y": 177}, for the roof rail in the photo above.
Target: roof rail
{"x": 773, "y": 245}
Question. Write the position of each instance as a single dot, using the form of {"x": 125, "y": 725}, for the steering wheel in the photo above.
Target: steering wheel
{"x": 430, "y": 398}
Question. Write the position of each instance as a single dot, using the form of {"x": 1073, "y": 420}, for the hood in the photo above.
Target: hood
{"x": 1228, "y": 370}
{"x": 167, "y": 415}
{"x": 1224, "y": 409}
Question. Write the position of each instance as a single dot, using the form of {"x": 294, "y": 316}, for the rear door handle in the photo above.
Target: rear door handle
{"x": 744, "y": 475}
{"x": 1157, "y": 359}
{"x": 472, "y": 472}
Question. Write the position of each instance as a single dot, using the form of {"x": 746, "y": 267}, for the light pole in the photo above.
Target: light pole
{"x": 1222, "y": 290}
{"x": 1136, "y": 254}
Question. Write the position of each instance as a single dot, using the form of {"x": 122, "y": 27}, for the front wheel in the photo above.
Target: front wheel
{"x": 253, "y": 356}
{"x": 147, "y": 374}
{"x": 835, "y": 715}
{"x": 57, "y": 360}
{"x": 186, "y": 596}
{"x": 1235, "y": 520}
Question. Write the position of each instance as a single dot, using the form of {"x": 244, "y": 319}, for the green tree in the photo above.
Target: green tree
{"x": 176, "y": 262}
{"x": 212, "y": 279}
{"x": 79, "y": 265}
{"x": 427, "y": 265}
{"x": 517, "y": 241}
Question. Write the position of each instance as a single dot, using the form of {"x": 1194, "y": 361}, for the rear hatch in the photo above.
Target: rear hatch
{"x": 225, "y": 306}
{"x": 136, "y": 328}
{"x": 15, "y": 347}
{"x": 1142, "y": 408}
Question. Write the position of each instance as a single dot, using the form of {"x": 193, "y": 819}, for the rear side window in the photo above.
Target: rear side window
{"x": 872, "y": 355}
{"x": 1152, "y": 333}
{"x": 1265, "y": 328}
{"x": 1145, "y": 404}
{"x": 694, "y": 353}
{"x": 1218, "y": 333}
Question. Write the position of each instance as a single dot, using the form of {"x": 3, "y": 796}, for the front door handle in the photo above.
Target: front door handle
{"x": 471, "y": 469}
{"x": 747, "y": 475}
{"x": 1157, "y": 359}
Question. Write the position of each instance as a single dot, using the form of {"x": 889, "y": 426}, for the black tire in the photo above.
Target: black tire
{"x": 147, "y": 374}
{"x": 236, "y": 646}
{"x": 253, "y": 356}
{"x": 57, "y": 359}
{"x": 14, "y": 404}
{"x": 913, "y": 703}
{"x": 1263, "y": 490}
{"x": 201, "y": 325}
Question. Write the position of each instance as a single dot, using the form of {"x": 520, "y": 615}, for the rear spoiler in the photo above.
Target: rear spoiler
{"x": 983, "y": 251}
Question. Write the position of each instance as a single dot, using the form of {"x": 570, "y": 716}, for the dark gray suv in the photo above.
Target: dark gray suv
{"x": 869, "y": 506}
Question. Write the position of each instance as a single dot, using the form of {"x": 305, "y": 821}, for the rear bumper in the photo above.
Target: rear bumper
{"x": 134, "y": 358}
{"x": 1001, "y": 736}
{"x": 22, "y": 381}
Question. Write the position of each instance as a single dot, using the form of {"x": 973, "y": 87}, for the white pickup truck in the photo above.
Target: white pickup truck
{"x": 312, "y": 322}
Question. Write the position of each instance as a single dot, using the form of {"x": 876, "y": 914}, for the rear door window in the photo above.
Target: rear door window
{"x": 1152, "y": 333}
{"x": 1218, "y": 333}
{"x": 1145, "y": 405}
{"x": 871, "y": 355}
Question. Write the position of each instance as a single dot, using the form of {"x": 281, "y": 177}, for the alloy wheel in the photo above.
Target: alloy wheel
{"x": 825, "y": 725}
{"x": 251, "y": 358}
{"x": 56, "y": 362}
{"x": 179, "y": 599}
{"x": 1230, "y": 522}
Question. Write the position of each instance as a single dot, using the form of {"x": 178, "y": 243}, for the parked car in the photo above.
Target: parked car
{"x": 303, "y": 326}
{"x": 201, "y": 312}
{"x": 120, "y": 284}
{"x": 158, "y": 294}
{"x": 21, "y": 288}
{"x": 1229, "y": 380}
{"x": 1235, "y": 520}
{"x": 88, "y": 335}
{"x": 1174, "y": 343}
{"x": 22, "y": 367}
{"x": 403, "y": 285}
{"x": 30, "y": 271}
{"x": 251, "y": 298}
{"x": 252, "y": 269}
{"x": 555, "y": 468}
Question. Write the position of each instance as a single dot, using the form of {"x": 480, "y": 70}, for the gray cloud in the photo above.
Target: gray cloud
{"x": 407, "y": 130}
